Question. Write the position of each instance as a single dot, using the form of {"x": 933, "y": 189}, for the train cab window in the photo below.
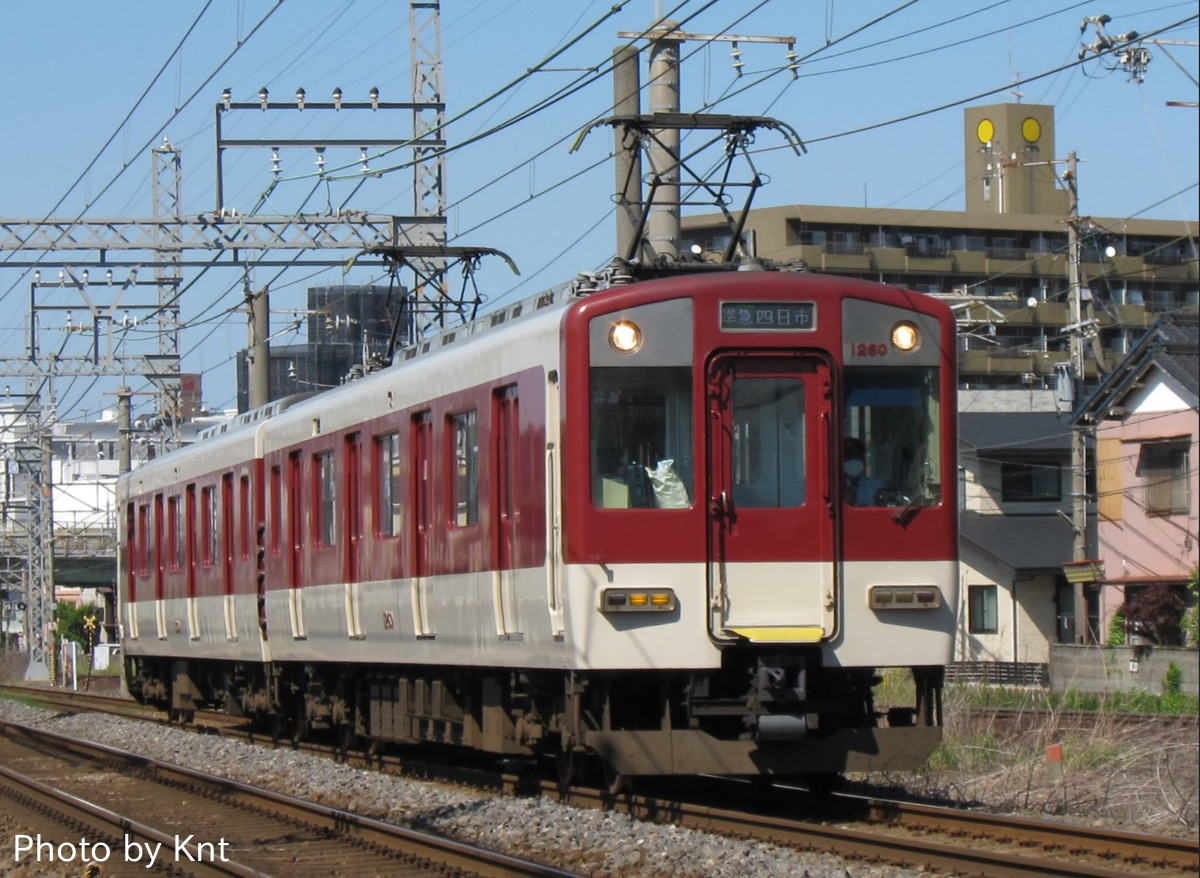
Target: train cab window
{"x": 325, "y": 490}
{"x": 892, "y": 447}
{"x": 464, "y": 451}
{"x": 641, "y": 422}
{"x": 768, "y": 442}
{"x": 388, "y": 486}
{"x": 208, "y": 527}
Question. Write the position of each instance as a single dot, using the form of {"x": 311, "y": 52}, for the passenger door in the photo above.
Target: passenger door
{"x": 770, "y": 509}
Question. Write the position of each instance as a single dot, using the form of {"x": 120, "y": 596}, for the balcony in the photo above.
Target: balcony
{"x": 1014, "y": 253}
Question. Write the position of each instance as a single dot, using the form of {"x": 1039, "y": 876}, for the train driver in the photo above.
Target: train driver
{"x": 861, "y": 490}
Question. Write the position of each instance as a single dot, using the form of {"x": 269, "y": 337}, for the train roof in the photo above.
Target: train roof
{"x": 494, "y": 325}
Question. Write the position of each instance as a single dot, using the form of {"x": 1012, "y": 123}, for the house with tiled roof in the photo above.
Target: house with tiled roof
{"x": 1015, "y": 533}
{"x": 1144, "y": 420}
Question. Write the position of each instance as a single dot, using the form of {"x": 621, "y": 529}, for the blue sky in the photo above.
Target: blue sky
{"x": 79, "y": 75}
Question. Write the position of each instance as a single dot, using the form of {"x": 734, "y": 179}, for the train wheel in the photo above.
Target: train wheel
{"x": 347, "y": 739}
{"x": 567, "y": 764}
{"x": 277, "y": 724}
{"x": 300, "y": 727}
{"x": 615, "y": 783}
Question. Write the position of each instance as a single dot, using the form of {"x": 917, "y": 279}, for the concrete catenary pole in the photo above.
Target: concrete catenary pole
{"x": 664, "y": 224}
{"x": 627, "y": 84}
{"x": 124, "y": 427}
{"x": 258, "y": 383}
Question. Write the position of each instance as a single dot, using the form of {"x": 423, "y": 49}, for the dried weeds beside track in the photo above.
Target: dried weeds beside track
{"x": 1101, "y": 769}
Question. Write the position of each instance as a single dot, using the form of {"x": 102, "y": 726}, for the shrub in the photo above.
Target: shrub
{"x": 1116, "y": 631}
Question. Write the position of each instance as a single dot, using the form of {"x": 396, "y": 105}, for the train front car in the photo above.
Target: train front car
{"x": 760, "y": 516}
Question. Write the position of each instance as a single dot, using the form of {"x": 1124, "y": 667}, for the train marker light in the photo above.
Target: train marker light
{"x": 625, "y": 336}
{"x": 638, "y": 600}
{"x": 905, "y": 336}
{"x": 904, "y": 597}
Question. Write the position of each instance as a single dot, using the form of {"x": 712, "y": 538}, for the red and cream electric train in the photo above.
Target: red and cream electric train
{"x": 672, "y": 527}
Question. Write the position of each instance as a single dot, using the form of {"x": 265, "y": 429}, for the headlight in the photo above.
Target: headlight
{"x": 625, "y": 336}
{"x": 906, "y": 336}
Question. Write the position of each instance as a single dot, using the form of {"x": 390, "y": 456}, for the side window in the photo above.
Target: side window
{"x": 174, "y": 535}
{"x": 325, "y": 495}
{"x": 464, "y": 468}
{"x": 982, "y": 617}
{"x": 246, "y": 511}
{"x": 388, "y": 471}
{"x": 143, "y": 539}
{"x": 276, "y": 508}
{"x": 208, "y": 526}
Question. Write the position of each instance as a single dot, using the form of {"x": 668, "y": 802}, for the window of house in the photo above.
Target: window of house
{"x": 325, "y": 489}
{"x": 1030, "y": 481}
{"x": 464, "y": 450}
{"x": 981, "y": 607}
{"x": 1163, "y": 469}
{"x": 387, "y": 488}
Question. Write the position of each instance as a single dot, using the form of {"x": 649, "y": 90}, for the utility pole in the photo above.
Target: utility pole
{"x": 1078, "y": 373}
{"x": 124, "y": 429}
{"x": 258, "y": 357}
{"x": 655, "y": 223}
{"x": 627, "y": 101}
{"x": 663, "y": 231}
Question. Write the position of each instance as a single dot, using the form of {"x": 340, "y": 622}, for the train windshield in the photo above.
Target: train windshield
{"x": 892, "y": 438}
{"x": 642, "y": 437}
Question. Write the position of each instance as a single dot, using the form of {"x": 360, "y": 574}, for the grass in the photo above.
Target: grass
{"x": 1142, "y": 775}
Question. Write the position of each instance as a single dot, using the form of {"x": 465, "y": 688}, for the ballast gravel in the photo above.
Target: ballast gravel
{"x": 585, "y": 841}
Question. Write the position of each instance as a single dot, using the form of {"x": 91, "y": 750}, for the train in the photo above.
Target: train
{"x": 671, "y": 526}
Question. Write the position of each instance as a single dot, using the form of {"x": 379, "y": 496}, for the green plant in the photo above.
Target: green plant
{"x": 1116, "y": 631}
{"x": 1191, "y": 619}
{"x": 73, "y": 623}
{"x": 1172, "y": 683}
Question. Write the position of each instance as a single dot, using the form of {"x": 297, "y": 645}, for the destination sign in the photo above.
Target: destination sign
{"x": 777, "y": 316}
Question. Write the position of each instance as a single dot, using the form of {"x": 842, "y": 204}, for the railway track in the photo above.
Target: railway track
{"x": 1021, "y": 719}
{"x": 193, "y": 823}
{"x": 944, "y": 840}
{"x": 940, "y": 839}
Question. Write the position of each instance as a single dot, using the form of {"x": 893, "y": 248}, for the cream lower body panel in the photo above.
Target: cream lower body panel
{"x": 221, "y": 627}
{"x": 894, "y": 638}
{"x": 460, "y": 622}
{"x": 448, "y": 620}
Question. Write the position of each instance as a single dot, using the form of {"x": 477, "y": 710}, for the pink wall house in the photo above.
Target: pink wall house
{"x": 1144, "y": 417}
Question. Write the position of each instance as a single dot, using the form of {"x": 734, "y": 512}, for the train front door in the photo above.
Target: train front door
{"x": 770, "y": 498}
